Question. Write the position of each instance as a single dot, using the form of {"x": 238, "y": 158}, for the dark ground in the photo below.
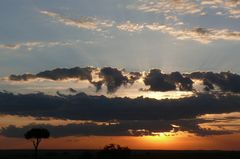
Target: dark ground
{"x": 96, "y": 154}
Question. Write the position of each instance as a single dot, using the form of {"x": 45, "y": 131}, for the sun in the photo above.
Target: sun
{"x": 159, "y": 137}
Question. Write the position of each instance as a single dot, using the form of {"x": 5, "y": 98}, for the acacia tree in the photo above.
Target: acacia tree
{"x": 36, "y": 135}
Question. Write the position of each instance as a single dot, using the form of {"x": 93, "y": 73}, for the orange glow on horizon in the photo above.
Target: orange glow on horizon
{"x": 183, "y": 141}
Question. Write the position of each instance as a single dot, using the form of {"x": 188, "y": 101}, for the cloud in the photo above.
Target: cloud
{"x": 122, "y": 128}
{"x": 227, "y": 81}
{"x": 185, "y": 83}
{"x": 187, "y": 7}
{"x": 231, "y": 6}
{"x": 164, "y": 82}
{"x": 221, "y": 122}
{"x": 100, "y": 108}
{"x": 34, "y": 44}
{"x": 134, "y": 76}
{"x": 208, "y": 85}
{"x": 72, "y": 90}
{"x": 58, "y": 74}
{"x": 62, "y": 73}
{"x": 173, "y": 10}
{"x": 154, "y": 80}
{"x": 162, "y": 6}
{"x": 130, "y": 27}
{"x": 85, "y": 115}
{"x": 157, "y": 81}
{"x": 8, "y": 120}
{"x": 113, "y": 78}
{"x": 228, "y": 4}
{"x": 89, "y": 23}
{"x": 202, "y": 35}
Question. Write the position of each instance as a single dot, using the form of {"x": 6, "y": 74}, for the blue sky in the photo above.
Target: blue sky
{"x": 39, "y": 35}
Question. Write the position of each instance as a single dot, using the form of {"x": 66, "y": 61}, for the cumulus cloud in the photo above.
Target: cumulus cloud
{"x": 184, "y": 83}
{"x": 113, "y": 78}
{"x": 133, "y": 76}
{"x": 90, "y": 23}
{"x": 227, "y": 81}
{"x": 167, "y": 82}
{"x": 154, "y": 80}
{"x": 208, "y": 85}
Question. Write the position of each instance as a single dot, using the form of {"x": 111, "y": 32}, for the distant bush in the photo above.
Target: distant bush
{"x": 113, "y": 151}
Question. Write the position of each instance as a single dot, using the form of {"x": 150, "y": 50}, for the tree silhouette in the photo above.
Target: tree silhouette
{"x": 36, "y": 135}
{"x": 113, "y": 151}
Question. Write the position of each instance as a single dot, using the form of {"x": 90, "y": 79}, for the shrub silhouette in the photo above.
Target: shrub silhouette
{"x": 36, "y": 135}
{"x": 113, "y": 151}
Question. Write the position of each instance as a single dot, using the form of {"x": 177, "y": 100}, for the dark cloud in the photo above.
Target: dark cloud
{"x": 167, "y": 82}
{"x": 227, "y": 81}
{"x": 23, "y": 77}
{"x": 72, "y": 90}
{"x": 192, "y": 126}
{"x": 185, "y": 83}
{"x": 201, "y": 31}
{"x": 122, "y": 128}
{"x": 135, "y": 117}
{"x": 158, "y": 82}
{"x": 113, "y": 78}
{"x": 98, "y": 85}
{"x": 134, "y": 76}
{"x": 63, "y": 73}
{"x": 208, "y": 85}
{"x": 58, "y": 74}
{"x": 100, "y": 108}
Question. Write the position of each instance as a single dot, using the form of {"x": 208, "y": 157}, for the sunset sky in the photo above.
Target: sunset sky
{"x": 147, "y": 74}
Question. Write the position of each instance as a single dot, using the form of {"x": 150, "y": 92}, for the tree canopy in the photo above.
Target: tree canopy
{"x": 37, "y": 133}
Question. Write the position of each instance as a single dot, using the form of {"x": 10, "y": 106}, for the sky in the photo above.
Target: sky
{"x": 147, "y": 74}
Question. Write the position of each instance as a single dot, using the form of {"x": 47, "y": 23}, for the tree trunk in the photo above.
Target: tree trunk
{"x": 35, "y": 144}
{"x": 36, "y": 152}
